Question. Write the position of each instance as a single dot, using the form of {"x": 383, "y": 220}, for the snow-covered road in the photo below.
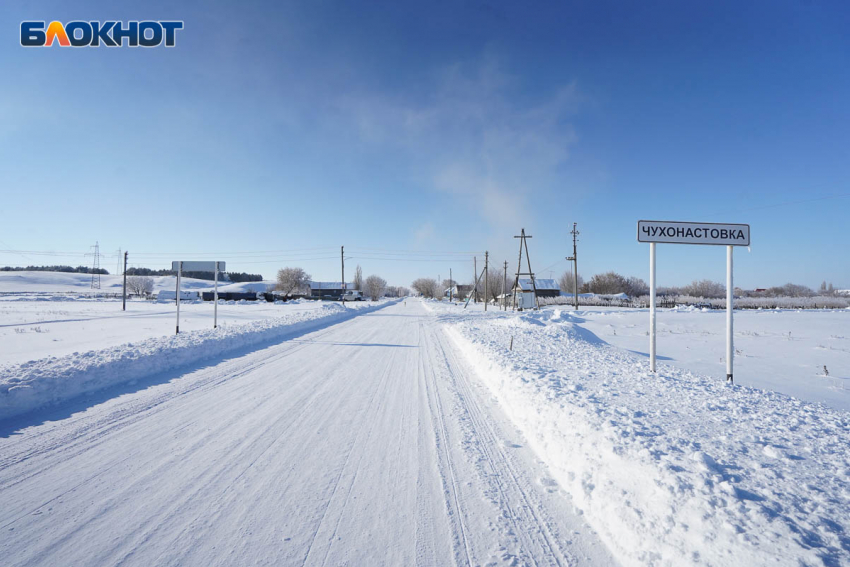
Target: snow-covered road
{"x": 368, "y": 442}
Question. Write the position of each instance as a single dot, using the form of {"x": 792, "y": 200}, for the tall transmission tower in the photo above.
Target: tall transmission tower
{"x": 95, "y": 273}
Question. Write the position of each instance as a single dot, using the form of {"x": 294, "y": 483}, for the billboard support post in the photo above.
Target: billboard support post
{"x": 730, "y": 298}
{"x": 215, "y": 297}
{"x": 177, "y": 296}
{"x": 199, "y": 266}
{"x": 652, "y": 306}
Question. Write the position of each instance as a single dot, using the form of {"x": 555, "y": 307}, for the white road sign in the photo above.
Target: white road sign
{"x": 198, "y": 266}
{"x": 674, "y": 232}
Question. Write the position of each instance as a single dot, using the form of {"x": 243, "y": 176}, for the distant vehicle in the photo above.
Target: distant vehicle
{"x": 352, "y": 295}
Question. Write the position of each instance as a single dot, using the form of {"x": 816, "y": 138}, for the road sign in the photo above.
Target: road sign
{"x": 674, "y": 232}
{"x": 196, "y": 266}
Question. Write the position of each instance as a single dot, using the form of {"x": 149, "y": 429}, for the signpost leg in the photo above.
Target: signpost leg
{"x": 730, "y": 347}
{"x": 215, "y": 298}
{"x": 179, "y": 269}
{"x": 652, "y": 306}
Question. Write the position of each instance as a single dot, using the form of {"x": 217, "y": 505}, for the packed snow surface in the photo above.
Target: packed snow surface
{"x": 671, "y": 469}
{"x": 364, "y": 442}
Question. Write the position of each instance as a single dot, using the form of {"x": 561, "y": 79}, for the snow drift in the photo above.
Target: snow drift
{"x": 26, "y": 386}
{"x": 673, "y": 469}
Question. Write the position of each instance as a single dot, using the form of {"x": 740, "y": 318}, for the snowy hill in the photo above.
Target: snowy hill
{"x": 63, "y": 282}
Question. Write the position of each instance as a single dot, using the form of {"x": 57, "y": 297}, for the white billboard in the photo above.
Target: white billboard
{"x": 198, "y": 266}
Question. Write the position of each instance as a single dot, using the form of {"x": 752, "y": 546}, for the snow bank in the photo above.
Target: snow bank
{"x": 673, "y": 469}
{"x": 54, "y": 379}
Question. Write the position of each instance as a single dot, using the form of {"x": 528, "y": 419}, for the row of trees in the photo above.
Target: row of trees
{"x": 612, "y": 283}
{"x": 66, "y": 269}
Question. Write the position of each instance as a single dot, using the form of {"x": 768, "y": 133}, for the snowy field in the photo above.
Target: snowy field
{"x": 24, "y": 283}
{"x": 781, "y": 350}
{"x": 30, "y": 330}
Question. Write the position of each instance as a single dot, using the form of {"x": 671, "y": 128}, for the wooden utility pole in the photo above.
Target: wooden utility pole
{"x": 523, "y": 243}
{"x": 451, "y": 284}
{"x": 505, "y": 285}
{"x": 574, "y": 260}
{"x": 342, "y": 261}
{"x": 124, "y": 301}
{"x": 475, "y": 280}
{"x": 486, "y": 279}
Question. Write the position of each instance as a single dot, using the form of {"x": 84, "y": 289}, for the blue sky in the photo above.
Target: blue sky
{"x": 275, "y": 132}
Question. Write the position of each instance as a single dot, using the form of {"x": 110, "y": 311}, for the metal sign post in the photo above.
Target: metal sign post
{"x": 730, "y": 349}
{"x": 199, "y": 266}
{"x": 652, "y": 306}
{"x": 215, "y": 297}
{"x": 675, "y": 232}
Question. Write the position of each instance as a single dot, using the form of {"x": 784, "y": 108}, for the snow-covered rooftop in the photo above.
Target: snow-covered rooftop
{"x": 542, "y": 283}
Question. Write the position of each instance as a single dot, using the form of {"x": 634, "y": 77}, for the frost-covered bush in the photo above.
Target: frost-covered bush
{"x": 819, "y": 302}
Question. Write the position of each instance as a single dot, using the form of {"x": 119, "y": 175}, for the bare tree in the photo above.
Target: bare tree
{"x": 358, "y": 278}
{"x": 495, "y": 277}
{"x": 140, "y": 285}
{"x": 607, "y": 283}
{"x": 566, "y": 283}
{"x": 427, "y": 287}
{"x": 375, "y": 287}
{"x": 636, "y": 287}
{"x": 292, "y": 280}
{"x": 705, "y": 288}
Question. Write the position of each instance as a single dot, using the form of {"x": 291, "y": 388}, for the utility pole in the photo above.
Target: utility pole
{"x": 524, "y": 243}
{"x": 124, "y": 304}
{"x": 342, "y": 261}
{"x": 486, "y": 278}
{"x": 505, "y": 285}
{"x": 574, "y": 260}
{"x": 475, "y": 278}
{"x": 451, "y": 285}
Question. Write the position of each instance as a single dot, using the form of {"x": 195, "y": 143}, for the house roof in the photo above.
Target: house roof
{"x": 539, "y": 283}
